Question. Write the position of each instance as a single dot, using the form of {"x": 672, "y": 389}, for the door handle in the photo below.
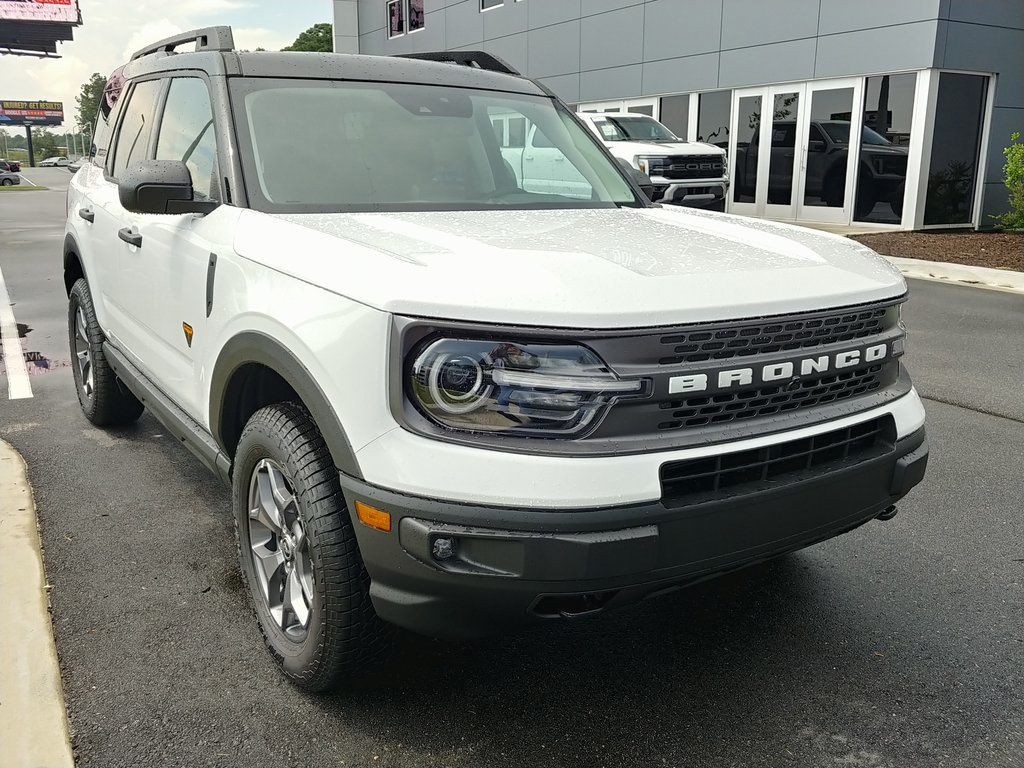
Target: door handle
{"x": 130, "y": 236}
{"x": 87, "y": 214}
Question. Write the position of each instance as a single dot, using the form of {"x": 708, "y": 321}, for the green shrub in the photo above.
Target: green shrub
{"x": 1014, "y": 172}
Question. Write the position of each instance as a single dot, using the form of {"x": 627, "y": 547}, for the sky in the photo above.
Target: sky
{"x": 114, "y": 29}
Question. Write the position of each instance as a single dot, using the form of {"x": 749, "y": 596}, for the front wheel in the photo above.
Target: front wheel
{"x": 8, "y": 182}
{"x": 298, "y": 552}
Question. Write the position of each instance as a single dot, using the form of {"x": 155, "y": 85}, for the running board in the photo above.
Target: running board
{"x": 182, "y": 426}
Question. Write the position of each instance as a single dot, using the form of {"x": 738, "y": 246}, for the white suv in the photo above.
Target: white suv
{"x": 447, "y": 402}
{"x": 693, "y": 173}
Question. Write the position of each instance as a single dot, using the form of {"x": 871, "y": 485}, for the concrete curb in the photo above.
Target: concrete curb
{"x": 985, "y": 277}
{"x": 33, "y": 721}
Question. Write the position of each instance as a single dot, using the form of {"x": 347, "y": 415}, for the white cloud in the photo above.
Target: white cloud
{"x": 251, "y": 38}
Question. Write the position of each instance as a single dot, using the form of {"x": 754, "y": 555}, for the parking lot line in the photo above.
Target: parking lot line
{"x": 18, "y": 384}
{"x": 26, "y": 178}
{"x": 33, "y": 723}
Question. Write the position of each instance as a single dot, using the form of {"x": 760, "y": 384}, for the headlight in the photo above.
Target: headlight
{"x": 543, "y": 390}
{"x": 652, "y": 166}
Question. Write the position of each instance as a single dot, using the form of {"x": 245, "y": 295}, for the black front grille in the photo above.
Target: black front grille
{"x": 688, "y": 167}
{"x": 766, "y": 401}
{"x": 696, "y": 480}
{"x": 774, "y": 335}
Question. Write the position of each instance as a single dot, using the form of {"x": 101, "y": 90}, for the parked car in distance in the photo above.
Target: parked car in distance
{"x": 11, "y": 166}
{"x": 9, "y": 179}
{"x": 881, "y": 176}
{"x": 59, "y": 162}
{"x": 453, "y": 388}
{"x": 686, "y": 172}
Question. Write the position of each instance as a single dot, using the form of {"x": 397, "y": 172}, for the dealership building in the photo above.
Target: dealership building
{"x": 933, "y": 88}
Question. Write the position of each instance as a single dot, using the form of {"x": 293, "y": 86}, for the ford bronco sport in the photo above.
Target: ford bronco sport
{"x": 447, "y": 400}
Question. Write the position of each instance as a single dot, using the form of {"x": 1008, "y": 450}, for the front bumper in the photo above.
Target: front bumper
{"x": 515, "y": 566}
{"x": 693, "y": 192}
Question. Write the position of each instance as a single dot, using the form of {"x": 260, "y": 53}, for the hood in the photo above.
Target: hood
{"x": 630, "y": 149}
{"x": 592, "y": 268}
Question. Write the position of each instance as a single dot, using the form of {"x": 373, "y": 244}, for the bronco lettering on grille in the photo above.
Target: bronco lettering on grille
{"x": 778, "y": 371}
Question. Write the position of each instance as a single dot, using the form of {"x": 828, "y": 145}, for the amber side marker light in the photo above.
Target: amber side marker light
{"x": 373, "y": 517}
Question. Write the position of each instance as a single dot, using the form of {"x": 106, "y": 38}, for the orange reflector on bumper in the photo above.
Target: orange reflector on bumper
{"x": 373, "y": 517}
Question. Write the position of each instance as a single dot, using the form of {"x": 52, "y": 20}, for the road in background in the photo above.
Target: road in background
{"x": 898, "y": 645}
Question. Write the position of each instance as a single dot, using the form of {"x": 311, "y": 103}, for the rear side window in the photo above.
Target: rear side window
{"x": 133, "y": 137}
{"x": 106, "y": 116}
{"x": 187, "y": 134}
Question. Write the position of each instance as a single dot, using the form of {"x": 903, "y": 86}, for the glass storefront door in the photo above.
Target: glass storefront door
{"x": 826, "y": 152}
{"x": 763, "y": 143}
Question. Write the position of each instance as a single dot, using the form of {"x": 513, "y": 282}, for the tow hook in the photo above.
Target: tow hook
{"x": 888, "y": 514}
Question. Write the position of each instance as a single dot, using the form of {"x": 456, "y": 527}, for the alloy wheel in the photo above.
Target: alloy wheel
{"x": 83, "y": 354}
{"x": 280, "y": 550}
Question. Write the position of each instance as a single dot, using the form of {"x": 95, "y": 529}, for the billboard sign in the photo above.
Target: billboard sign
{"x": 31, "y": 113}
{"x": 63, "y": 11}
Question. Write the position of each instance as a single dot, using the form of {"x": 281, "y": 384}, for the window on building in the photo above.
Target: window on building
{"x": 187, "y": 134}
{"x": 713, "y": 112}
{"x": 675, "y": 114}
{"x": 884, "y": 148}
{"x": 956, "y": 145}
{"x": 133, "y": 136}
{"x": 396, "y": 18}
{"x": 486, "y": 5}
{"x": 416, "y": 18}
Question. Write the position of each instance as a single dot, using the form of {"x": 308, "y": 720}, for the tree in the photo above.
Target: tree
{"x": 89, "y": 101}
{"x": 317, "y": 39}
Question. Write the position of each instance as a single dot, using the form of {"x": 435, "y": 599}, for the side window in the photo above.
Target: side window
{"x": 106, "y": 117}
{"x": 133, "y": 137}
{"x": 187, "y": 134}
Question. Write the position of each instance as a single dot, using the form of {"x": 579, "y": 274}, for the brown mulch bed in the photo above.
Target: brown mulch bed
{"x": 1000, "y": 250}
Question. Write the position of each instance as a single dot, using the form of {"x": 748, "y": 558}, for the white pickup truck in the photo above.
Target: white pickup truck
{"x": 689, "y": 172}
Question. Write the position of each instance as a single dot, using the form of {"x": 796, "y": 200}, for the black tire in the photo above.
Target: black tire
{"x": 344, "y": 637}
{"x": 867, "y": 197}
{"x": 8, "y": 182}
{"x": 106, "y": 402}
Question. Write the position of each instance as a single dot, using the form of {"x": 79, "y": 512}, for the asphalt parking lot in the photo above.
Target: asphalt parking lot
{"x": 898, "y": 645}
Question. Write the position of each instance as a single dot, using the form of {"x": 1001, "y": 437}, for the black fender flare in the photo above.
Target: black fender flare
{"x": 71, "y": 247}
{"x": 254, "y": 347}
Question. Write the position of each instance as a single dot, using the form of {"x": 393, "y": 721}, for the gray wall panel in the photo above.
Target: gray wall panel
{"x": 567, "y": 87}
{"x": 995, "y": 200}
{"x": 555, "y": 50}
{"x": 615, "y": 83}
{"x": 507, "y": 20}
{"x": 511, "y": 48}
{"x": 755, "y": 22}
{"x": 590, "y": 7}
{"x": 984, "y": 49}
{"x": 372, "y": 15}
{"x": 675, "y": 28}
{"x": 846, "y": 16}
{"x": 887, "y": 49}
{"x": 692, "y": 73}
{"x": 1004, "y": 122}
{"x": 463, "y": 24}
{"x": 1000, "y": 13}
{"x": 552, "y": 12}
{"x": 767, "y": 64}
{"x": 612, "y": 39}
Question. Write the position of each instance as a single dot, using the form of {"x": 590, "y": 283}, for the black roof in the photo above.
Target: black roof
{"x": 214, "y": 54}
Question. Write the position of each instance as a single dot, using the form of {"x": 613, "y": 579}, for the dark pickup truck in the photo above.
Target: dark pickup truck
{"x": 883, "y": 167}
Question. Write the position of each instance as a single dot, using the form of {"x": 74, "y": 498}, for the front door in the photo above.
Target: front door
{"x": 763, "y": 141}
{"x": 827, "y": 156}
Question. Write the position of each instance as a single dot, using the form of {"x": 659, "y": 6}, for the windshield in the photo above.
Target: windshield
{"x": 329, "y": 146}
{"x": 630, "y": 128}
{"x": 840, "y": 134}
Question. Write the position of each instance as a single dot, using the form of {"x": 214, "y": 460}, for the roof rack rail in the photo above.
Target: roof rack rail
{"x": 475, "y": 59}
{"x": 208, "y": 39}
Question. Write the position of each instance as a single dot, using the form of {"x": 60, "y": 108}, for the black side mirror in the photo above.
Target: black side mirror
{"x": 816, "y": 145}
{"x": 639, "y": 178}
{"x": 162, "y": 187}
